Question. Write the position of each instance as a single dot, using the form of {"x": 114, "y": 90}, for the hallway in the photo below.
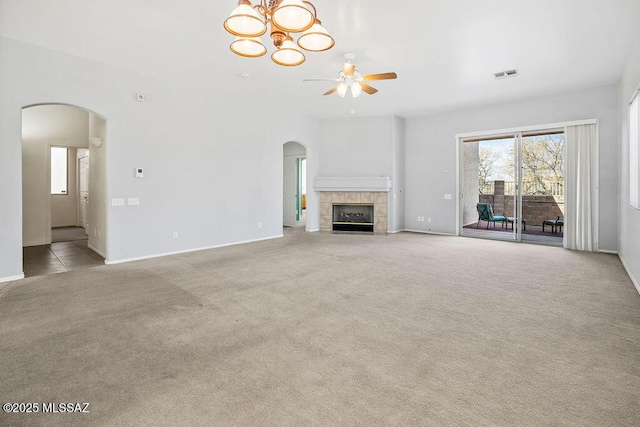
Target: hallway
{"x": 59, "y": 256}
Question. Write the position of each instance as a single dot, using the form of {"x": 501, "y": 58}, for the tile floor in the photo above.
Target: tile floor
{"x": 59, "y": 257}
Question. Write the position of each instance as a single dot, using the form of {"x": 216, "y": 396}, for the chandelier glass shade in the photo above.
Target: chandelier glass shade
{"x": 281, "y": 18}
{"x": 316, "y": 38}
{"x": 288, "y": 55}
{"x": 245, "y": 21}
{"x": 292, "y": 16}
{"x": 250, "y": 47}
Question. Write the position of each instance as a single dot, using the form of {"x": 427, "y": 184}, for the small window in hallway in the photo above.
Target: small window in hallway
{"x": 59, "y": 170}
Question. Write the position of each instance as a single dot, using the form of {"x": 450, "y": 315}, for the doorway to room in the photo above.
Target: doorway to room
{"x": 63, "y": 189}
{"x": 513, "y": 186}
{"x": 294, "y": 185}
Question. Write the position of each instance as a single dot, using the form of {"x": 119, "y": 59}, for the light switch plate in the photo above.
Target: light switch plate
{"x": 448, "y": 196}
{"x": 133, "y": 201}
{"x": 117, "y": 202}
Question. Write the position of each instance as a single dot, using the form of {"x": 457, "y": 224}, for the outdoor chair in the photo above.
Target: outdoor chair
{"x": 486, "y": 214}
{"x": 556, "y": 224}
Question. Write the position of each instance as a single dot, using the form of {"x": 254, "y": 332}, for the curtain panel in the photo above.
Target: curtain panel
{"x": 581, "y": 192}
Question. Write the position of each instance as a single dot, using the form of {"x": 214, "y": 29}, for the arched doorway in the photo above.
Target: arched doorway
{"x": 294, "y": 180}
{"x": 63, "y": 188}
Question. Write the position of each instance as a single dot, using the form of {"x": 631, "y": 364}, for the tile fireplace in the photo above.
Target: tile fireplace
{"x": 354, "y": 204}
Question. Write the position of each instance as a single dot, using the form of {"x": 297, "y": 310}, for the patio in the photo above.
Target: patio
{"x": 533, "y": 233}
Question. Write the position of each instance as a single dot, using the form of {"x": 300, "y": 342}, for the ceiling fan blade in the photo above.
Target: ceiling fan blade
{"x": 349, "y": 69}
{"x": 321, "y": 80}
{"x": 370, "y": 90}
{"x": 330, "y": 91}
{"x": 380, "y": 76}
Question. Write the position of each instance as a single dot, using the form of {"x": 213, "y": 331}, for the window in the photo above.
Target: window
{"x": 634, "y": 153}
{"x": 59, "y": 172}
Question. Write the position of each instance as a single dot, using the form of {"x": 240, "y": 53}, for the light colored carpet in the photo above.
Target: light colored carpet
{"x": 313, "y": 328}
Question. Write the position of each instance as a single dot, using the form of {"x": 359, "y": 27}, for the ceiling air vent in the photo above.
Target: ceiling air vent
{"x": 506, "y": 74}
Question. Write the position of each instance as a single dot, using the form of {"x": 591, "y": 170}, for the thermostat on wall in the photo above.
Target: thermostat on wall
{"x": 139, "y": 173}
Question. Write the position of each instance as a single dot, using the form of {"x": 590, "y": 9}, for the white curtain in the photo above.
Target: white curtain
{"x": 581, "y": 188}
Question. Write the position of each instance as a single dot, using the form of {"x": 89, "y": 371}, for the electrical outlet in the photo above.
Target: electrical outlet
{"x": 175, "y": 234}
{"x": 259, "y": 224}
{"x": 429, "y": 219}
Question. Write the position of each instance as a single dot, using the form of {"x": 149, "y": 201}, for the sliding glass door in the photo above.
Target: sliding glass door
{"x": 542, "y": 159}
{"x": 512, "y": 187}
{"x": 488, "y": 199}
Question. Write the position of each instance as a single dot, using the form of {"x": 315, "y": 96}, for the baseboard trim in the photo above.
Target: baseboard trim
{"x": 607, "y": 251}
{"x": 427, "y": 232}
{"x": 633, "y": 280}
{"x": 185, "y": 251}
{"x": 396, "y": 231}
{"x": 96, "y": 251}
{"x": 11, "y": 278}
{"x": 315, "y": 230}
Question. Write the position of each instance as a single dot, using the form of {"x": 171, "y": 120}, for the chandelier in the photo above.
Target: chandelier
{"x": 248, "y": 23}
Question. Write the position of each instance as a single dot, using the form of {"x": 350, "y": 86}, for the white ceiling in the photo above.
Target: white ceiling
{"x": 445, "y": 52}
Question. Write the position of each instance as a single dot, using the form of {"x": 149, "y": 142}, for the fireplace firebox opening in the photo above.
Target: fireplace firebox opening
{"x": 353, "y": 217}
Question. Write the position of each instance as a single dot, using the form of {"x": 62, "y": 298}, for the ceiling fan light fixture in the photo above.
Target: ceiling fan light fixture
{"x": 245, "y": 21}
{"x": 292, "y": 16}
{"x": 316, "y": 38}
{"x": 249, "y": 47}
{"x": 288, "y": 54}
{"x": 342, "y": 90}
{"x": 356, "y": 89}
{"x": 350, "y": 78}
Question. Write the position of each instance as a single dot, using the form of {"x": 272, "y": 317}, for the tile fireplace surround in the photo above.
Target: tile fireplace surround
{"x": 356, "y": 190}
{"x": 379, "y": 200}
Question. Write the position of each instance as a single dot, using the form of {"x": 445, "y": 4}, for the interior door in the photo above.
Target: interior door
{"x": 83, "y": 190}
{"x": 289, "y": 196}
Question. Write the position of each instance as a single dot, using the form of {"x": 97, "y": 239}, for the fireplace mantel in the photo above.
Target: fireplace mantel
{"x": 374, "y": 183}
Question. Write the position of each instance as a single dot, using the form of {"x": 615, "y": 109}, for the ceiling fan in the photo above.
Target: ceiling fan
{"x": 350, "y": 78}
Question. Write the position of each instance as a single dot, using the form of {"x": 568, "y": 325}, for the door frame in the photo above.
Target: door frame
{"x": 105, "y": 163}
{"x": 298, "y": 156}
{"x": 461, "y": 137}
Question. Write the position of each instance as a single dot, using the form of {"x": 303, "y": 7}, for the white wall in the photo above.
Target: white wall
{"x": 190, "y": 142}
{"x": 44, "y": 126}
{"x": 629, "y": 217}
{"x": 431, "y": 152}
{"x": 396, "y": 194}
{"x": 356, "y": 147}
{"x": 36, "y": 228}
{"x": 366, "y": 147}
